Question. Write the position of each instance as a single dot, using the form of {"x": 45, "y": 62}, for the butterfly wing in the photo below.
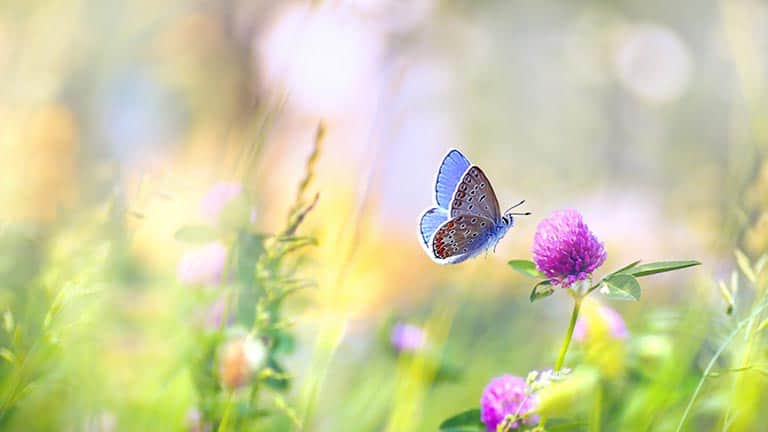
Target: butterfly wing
{"x": 430, "y": 222}
{"x": 474, "y": 196}
{"x": 451, "y": 170}
{"x": 460, "y": 238}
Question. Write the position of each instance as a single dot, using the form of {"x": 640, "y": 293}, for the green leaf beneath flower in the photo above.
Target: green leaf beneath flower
{"x": 657, "y": 267}
{"x": 196, "y": 234}
{"x": 464, "y": 422}
{"x": 623, "y": 269}
{"x": 542, "y": 290}
{"x": 621, "y": 287}
{"x": 528, "y": 268}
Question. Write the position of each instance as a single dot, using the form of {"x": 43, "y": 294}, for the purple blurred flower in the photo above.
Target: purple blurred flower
{"x": 195, "y": 421}
{"x": 507, "y": 395}
{"x": 408, "y": 337}
{"x": 203, "y": 265}
{"x": 565, "y": 250}
{"x": 217, "y": 198}
{"x": 611, "y": 319}
{"x": 215, "y": 313}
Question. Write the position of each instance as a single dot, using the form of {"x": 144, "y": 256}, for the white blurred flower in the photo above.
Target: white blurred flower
{"x": 324, "y": 58}
{"x": 239, "y": 359}
{"x": 396, "y": 16}
{"x": 653, "y": 63}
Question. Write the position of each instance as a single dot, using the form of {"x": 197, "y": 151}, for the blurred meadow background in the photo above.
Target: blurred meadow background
{"x": 187, "y": 186}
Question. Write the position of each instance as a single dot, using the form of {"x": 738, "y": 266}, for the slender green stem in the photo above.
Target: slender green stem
{"x": 597, "y": 408}
{"x": 759, "y": 309}
{"x": 224, "y": 425}
{"x": 592, "y": 288}
{"x": 571, "y": 326}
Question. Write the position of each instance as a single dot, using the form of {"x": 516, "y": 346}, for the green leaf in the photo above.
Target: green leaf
{"x": 236, "y": 213}
{"x": 464, "y": 429}
{"x": 745, "y": 266}
{"x": 465, "y": 421}
{"x": 8, "y": 321}
{"x": 621, "y": 287}
{"x": 7, "y": 355}
{"x": 278, "y": 381}
{"x": 527, "y": 268}
{"x": 196, "y": 234}
{"x": 760, "y": 263}
{"x": 249, "y": 251}
{"x": 542, "y": 290}
{"x": 563, "y": 424}
{"x": 623, "y": 269}
{"x": 657, "y": 267}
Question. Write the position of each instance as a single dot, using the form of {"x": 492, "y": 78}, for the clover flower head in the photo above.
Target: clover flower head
{"x": 504, "y": 396}
{"x": 408, "y": 337}
{"x": 565, "y": 250}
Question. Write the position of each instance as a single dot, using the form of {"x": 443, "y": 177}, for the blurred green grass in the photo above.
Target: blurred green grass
{"x": 114, "y": 119}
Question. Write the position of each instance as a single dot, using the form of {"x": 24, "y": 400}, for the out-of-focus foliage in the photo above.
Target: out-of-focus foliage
{"x": 125, "y": 307}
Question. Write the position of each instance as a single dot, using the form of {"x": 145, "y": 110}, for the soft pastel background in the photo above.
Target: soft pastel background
{"x": 650, "y": 117}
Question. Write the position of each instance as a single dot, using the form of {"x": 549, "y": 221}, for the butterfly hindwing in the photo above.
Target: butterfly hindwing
{"x": 430, "y": 222}
{"x": 451, "y": 170}
{"x": 460, "y": 238}
{"x": 475, "y": 196}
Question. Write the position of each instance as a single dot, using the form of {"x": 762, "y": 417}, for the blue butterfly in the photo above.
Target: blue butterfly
{"x": 466, "y": 220}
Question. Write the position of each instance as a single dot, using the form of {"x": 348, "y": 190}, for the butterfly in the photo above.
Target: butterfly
{"x": 466, "y": 219}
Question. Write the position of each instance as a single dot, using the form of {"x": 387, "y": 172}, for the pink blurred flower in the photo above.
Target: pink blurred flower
{"x": 504, "y": 396}
{"x": 215, "y": 313}
{"x": 195, "y": 421}
{"x": 203, "y": 265}
{"x": 408, "y": 337}
{"x": 612, "y": 321}
{"x": 217, "y": 198}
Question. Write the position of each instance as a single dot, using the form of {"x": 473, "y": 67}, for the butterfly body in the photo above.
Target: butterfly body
{"x": 466, "y": 220}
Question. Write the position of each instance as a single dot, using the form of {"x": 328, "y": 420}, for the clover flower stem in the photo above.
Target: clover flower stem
{"x": 571, "y": 326}
{"x": 595, "y": 423}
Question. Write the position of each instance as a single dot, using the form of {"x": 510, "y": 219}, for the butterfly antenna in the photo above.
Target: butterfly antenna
{"x": 516, "y": 206}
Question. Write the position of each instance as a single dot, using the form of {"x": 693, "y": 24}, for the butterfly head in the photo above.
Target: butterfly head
{"x": 508, "y": 218}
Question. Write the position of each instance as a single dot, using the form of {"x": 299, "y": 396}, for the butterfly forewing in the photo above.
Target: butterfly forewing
{"x": 449, "y": 174}
{"x": 474, "y": 196}
{"x": 460, "y": 235}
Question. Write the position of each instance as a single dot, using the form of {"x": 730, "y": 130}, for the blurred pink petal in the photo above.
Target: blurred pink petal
{"x": 217, "y": 198}
{"x": 203, "y": 265}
